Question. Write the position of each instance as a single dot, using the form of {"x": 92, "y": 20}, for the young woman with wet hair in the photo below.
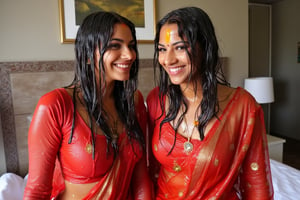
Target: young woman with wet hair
{"x": 86, "y": 140}
{"x": 208, "y": 139}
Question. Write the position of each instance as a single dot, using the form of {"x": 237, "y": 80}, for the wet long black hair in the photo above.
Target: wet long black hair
{"x": 94, "y": 34}
{"x": 196, "y": 28}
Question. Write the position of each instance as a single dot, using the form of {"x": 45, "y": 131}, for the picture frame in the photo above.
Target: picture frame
{"x": 68, "y": 26}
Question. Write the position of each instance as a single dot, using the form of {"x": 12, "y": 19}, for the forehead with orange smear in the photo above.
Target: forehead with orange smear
{"x": 169, "y": 34}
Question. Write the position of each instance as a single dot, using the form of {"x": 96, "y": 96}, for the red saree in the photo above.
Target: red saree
{"x": 232, "y": 161}
{"x": 52, "y": 159}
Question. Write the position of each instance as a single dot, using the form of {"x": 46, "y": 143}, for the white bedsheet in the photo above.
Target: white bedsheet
{"x": 286, "y": 183}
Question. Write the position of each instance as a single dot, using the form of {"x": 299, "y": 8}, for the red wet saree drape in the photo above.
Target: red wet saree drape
{"x": 232, "y": 161}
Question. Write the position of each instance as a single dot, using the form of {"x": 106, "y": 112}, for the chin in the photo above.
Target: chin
{"x": 176, "y": 82}
{"x": 123, "y": 79}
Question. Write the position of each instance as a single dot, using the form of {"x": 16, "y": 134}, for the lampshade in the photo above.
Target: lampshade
{"x": 261, "y": 89}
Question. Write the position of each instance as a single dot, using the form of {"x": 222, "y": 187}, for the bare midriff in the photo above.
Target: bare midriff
{"x": 76, "y": 191}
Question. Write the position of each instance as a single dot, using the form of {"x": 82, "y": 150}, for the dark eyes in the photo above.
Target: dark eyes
{"x": 114, "y": 46}
{"x": 177, "y": 48}
{"x": 181, "y": 47}
{"x": 161, "y": 49}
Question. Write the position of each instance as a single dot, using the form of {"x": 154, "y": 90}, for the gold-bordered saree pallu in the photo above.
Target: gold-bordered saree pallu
{"x": 241, "y": 131}
{"x": 116, "y": 183}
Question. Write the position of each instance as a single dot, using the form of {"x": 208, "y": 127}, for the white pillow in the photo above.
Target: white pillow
{"x": 12, "y": 186}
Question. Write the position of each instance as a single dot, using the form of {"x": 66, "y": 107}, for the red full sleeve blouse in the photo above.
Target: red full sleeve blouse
{"x": 52, "y": 159}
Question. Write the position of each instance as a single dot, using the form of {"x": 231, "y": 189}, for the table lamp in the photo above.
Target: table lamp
{"x": 261, "y": 88}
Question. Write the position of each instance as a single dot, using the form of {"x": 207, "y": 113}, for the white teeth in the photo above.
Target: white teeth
{"x": 175, "y": 69}
{"x": 122, "y": 66}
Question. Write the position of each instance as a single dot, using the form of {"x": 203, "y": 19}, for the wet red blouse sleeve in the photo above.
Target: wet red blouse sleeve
{"x": 44, "y": 138}
{"x": 154, "y": 112}
{"x": 141, "y": 182}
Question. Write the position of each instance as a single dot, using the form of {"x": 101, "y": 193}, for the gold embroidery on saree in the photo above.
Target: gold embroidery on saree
{"x": 254, "y": 166}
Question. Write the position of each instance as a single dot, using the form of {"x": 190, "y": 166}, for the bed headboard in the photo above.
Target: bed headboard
{"x": 22, "y": 84}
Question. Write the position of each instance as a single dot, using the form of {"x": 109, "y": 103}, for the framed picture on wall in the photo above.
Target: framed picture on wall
{"x": 140, "y": 12}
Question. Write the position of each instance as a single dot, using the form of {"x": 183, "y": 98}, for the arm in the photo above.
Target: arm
{"x": 141, "y": 183}
{"x": 43, "y": 144}
{"x": 154, "y": 111}
{"x": 256, "y": 175}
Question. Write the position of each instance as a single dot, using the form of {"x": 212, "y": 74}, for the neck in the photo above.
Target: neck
{"x": 192, "y": 93}
{"x": 108, "y": 91}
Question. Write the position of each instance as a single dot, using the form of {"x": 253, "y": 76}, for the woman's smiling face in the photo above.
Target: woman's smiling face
{"x": 173, "y": 54}
{"x": 120, "y": 54}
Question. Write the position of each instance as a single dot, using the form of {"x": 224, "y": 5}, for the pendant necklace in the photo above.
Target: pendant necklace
{"x": 188, "y": 146}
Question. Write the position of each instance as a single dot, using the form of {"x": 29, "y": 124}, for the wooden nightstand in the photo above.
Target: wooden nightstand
{"x": 275, "y": 145}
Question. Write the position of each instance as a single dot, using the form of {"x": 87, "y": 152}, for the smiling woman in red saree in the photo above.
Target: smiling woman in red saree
{"x": 231, "y": 161}
{"x": 208, "y": 139}
{"x": 86, "y": 140}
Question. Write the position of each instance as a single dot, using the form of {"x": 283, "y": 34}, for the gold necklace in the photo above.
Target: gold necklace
{"x": 188, "y": 146}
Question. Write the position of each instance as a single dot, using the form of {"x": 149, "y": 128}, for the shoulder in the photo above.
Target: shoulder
{"x": 138, "y": 98}
{"x": 153, "y": 95}
{"x": 153, "y": 104}
{"x": 139, "y": 103}
{"x": 54, "y": 105}
{"x": 239, "y": 98}
{"x": 56, "y": 96}
{"x": 245, "y": 96}
{"x": 140, "y": 108}
{"x": 245, "y": 102}
{"x": 226, "y": 93}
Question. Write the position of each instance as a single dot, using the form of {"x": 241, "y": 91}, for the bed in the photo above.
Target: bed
{"x": 286, "y": 183}
{"x": 16, "y": 80}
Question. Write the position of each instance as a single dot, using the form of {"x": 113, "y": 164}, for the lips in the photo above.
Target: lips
{"x": 123, "y": 66}
{"x": 175, "y": 70}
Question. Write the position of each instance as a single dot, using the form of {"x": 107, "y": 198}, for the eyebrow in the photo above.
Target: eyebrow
{"x": 120, "y": 40}
{"x": 175, "y": 43}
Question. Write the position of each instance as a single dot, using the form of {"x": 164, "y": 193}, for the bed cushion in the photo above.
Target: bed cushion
{"x": 12, "y": 186}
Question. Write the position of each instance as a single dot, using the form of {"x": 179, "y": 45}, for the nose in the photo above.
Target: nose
{"x": 128, "y": 53}
{"x": 169, "y": 57}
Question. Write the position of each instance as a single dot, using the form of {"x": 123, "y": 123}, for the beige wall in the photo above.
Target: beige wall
{"x": 29, "y": 31}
